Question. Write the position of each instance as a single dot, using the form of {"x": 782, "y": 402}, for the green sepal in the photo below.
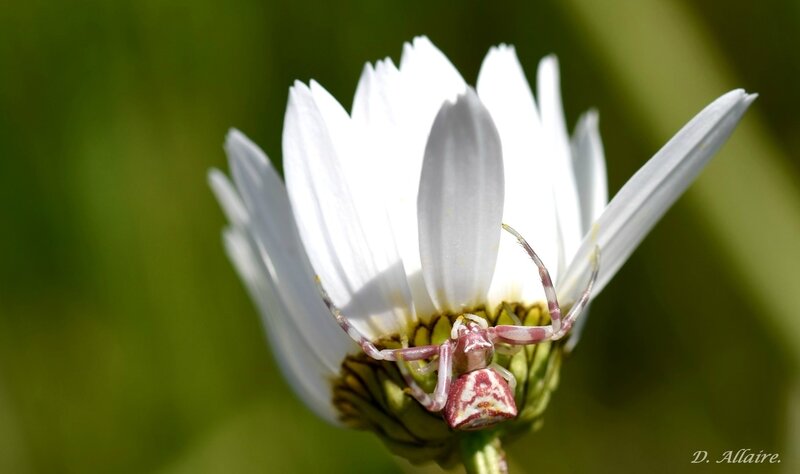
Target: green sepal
{"x": 416, "y": 419}
{"x": 388, "y": 425}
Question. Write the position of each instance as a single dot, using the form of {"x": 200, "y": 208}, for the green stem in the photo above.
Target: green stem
{"x": 482, "y": 453}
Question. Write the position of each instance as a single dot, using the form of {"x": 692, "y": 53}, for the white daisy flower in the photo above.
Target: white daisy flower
{"x": 398, "y": 205}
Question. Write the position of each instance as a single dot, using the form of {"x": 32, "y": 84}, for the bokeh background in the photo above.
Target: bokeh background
{"x": 128, "y": 345}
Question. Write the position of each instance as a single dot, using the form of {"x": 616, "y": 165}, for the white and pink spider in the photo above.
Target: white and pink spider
{"x": 482, "y": 393}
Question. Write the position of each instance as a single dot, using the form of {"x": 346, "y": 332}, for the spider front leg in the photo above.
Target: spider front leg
{"x": 408, "y": 353}
{"x": 544, "y": 275}
{"x": 534, "y": 334}
{"x": 579, "y": 306}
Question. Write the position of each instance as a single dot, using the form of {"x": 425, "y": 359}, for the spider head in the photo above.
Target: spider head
{"x": 474, "y": 350}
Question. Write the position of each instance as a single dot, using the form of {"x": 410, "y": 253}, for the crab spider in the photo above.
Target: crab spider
{"x": 482, "y": 393}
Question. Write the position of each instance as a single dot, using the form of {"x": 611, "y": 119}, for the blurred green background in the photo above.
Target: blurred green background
{"x": 127, "y": 344}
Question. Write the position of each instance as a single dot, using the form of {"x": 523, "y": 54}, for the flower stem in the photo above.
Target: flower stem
{"x": 482, "y": 453}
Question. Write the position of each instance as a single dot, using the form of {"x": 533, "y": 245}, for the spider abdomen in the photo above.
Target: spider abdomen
{"x": 479, "y": 399}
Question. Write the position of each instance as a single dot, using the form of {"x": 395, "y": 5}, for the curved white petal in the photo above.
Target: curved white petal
{"x": 589, "y": 163}
{"x": 228, "y": 198}
{"x": 563, "y": 180}
{"x": 651, "y": 191}
{"x": 266, "y": 250}
{"x": 298, "y": 365}
{"x": 460, "y": 204}
{"x": 346, "y": 235}
{"x": 529, "y": 205}
{"x": 272, "y": 228}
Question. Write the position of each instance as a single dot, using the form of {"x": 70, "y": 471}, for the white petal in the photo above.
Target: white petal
{"x": 375, "y": 104}
{"x": 387, "y": 127}
{"x": 563, "y": 180}
{"x": 427, "y": 80}
{"x": 651, "y": 191}
{"x": 589, "y": 163}
{"x": 229, "y": 200}
{"x": 273, "y": 230}
{"x": 299, "y": 366}
{"x": 394, "y": 110}
{"x": 460, "y": 204}
{"x": 266, "y": 250}
{"x": 347, "y": 236}
{"x": 529, "y": 206}
{"x": 377, "y": 113}
{"x": 341, "y": 132}
{"x": 366, "y": 169}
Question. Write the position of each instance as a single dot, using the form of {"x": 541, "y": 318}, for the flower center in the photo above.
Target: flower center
{"x": 371, "y": 394}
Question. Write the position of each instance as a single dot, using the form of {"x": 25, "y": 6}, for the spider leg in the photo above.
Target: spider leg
{"x": 507, "y": 350}
{"x": 445, "y": 376}
{"x": 512, "y": 314}
{"x": 534, "y": 334}
{"x": 544, "y": 275}
{"x": 520, "y": 335}
{"x": 506, "y": 374}
{"x": 578, "y": 307}
{"x": 420, "y": 367}
{"x": 425, "y": 369}
{"x": 408, "y": 353}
